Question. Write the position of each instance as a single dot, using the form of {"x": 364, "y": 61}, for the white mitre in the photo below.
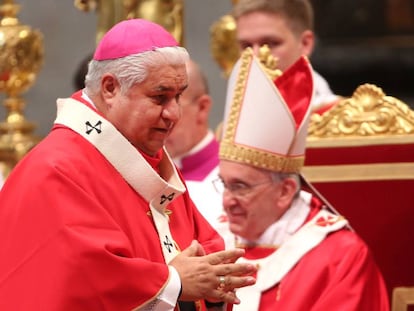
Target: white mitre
{"x": 266, "y": 119}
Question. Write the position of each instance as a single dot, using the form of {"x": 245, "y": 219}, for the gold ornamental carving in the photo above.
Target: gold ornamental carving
{"x": 369, "y": 112}
{"x": 223, "y": 42}
{"x": 168, "y": 13}
{"x": 269, "y": 62}
{"x": 21, "y": 57}
{"x": 368, "y": 118}
{"x": 402, "y": 298}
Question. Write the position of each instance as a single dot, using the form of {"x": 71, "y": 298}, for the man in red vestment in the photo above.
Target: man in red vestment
{"x": 307, "y": 255}
{"x": 96, "y": 216}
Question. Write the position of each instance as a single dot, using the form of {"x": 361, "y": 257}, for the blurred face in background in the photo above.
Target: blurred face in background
{"x": 257, "y": 28}
{"x": 195, "y": 106}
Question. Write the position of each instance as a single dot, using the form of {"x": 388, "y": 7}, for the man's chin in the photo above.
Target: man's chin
{"x": 236, "y": 229}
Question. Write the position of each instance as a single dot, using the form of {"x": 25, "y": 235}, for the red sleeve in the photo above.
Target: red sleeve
{"x": 63, "y": 249}
{"x": 76, "y": 236}
{"x": 355, "y": 285}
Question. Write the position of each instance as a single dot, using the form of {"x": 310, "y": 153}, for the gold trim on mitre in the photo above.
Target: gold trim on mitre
{"x": 231, "y": 151}
{"x": 260, "y": 159}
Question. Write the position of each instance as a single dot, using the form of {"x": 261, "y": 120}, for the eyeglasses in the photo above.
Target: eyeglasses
{"x": 238, "y": 189}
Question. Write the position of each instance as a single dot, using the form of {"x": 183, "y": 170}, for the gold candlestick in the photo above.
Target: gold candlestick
{"x": 167, "y": 13}
{"x": 21, "y": 56}
{"x": 223, "y": 42}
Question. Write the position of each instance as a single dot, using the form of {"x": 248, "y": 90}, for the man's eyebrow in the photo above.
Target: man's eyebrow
{"x": 162, "y": 88}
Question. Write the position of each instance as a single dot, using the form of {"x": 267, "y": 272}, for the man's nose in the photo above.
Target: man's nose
{"x": 256, "y": 49}
{"x": 227, "y": 198}
{"x": 172, "y": 110}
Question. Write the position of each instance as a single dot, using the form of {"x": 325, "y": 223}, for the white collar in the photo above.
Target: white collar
{"x": 287, "y": 225}
{"x": 200, "y": 145}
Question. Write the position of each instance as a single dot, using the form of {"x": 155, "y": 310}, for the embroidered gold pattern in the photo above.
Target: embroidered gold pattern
{"x": 166, "y": 212}
{"x": 229, "y": 150}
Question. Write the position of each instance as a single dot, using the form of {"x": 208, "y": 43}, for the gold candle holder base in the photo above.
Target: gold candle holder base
{"x": 16, "y": 137}
{"x": 21, "y": 56}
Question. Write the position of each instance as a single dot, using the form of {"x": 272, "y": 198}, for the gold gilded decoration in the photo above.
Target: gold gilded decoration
{"x": 260, "y": 158}
{"x": 269, "y": 62}
{"x": 369, "y": 112}
{"x": 167, "y": 212}
{"x": 168, "y": 13}
{"x": 233, "y": 152}
{"x": 368, "y": 118}
{"x": 359, "y": 172}
{"x": 225, "y": 50}
{"x": 230, "y": 132}
{"x": 402, "y": 297}
{"x": 21, "y": 57}
{"x": 223, "y": 44}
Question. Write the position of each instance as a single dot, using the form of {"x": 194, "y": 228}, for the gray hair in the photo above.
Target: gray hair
{"x": 132, "y": 69}
{"x": 278, "y": 177}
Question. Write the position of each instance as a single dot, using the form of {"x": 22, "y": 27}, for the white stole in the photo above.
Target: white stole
{"x": 275, "y": 266}
{"x": 129, "y": 163}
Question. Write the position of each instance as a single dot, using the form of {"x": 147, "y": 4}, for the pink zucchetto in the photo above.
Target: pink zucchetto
{"x": 132, "y": 36}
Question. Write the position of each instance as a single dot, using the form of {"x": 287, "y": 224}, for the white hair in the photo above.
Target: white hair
{"x": 278, "y": 177}
{"x": 132, "y": 69}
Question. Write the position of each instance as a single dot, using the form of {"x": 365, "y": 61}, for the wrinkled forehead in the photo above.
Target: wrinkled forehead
{"x": 167, "y": 78}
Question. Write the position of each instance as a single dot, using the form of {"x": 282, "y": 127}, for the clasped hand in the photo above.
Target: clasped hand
{"x": 213, "y": 277}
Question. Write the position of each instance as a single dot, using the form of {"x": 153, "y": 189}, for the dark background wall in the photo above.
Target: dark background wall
{"x": 366, "y": 41}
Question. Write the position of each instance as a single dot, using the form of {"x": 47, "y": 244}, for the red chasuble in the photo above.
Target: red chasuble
{"x": 339, "y": 274}
{"x": 77, "y": 236}
{"x": 315, "y": 273}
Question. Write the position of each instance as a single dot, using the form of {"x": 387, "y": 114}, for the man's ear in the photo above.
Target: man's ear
{"x": 308, "y": 42}
{"x": 109, "y": 86}
{"x": 288, "y": 189}
{"x": 204, "y": 103}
